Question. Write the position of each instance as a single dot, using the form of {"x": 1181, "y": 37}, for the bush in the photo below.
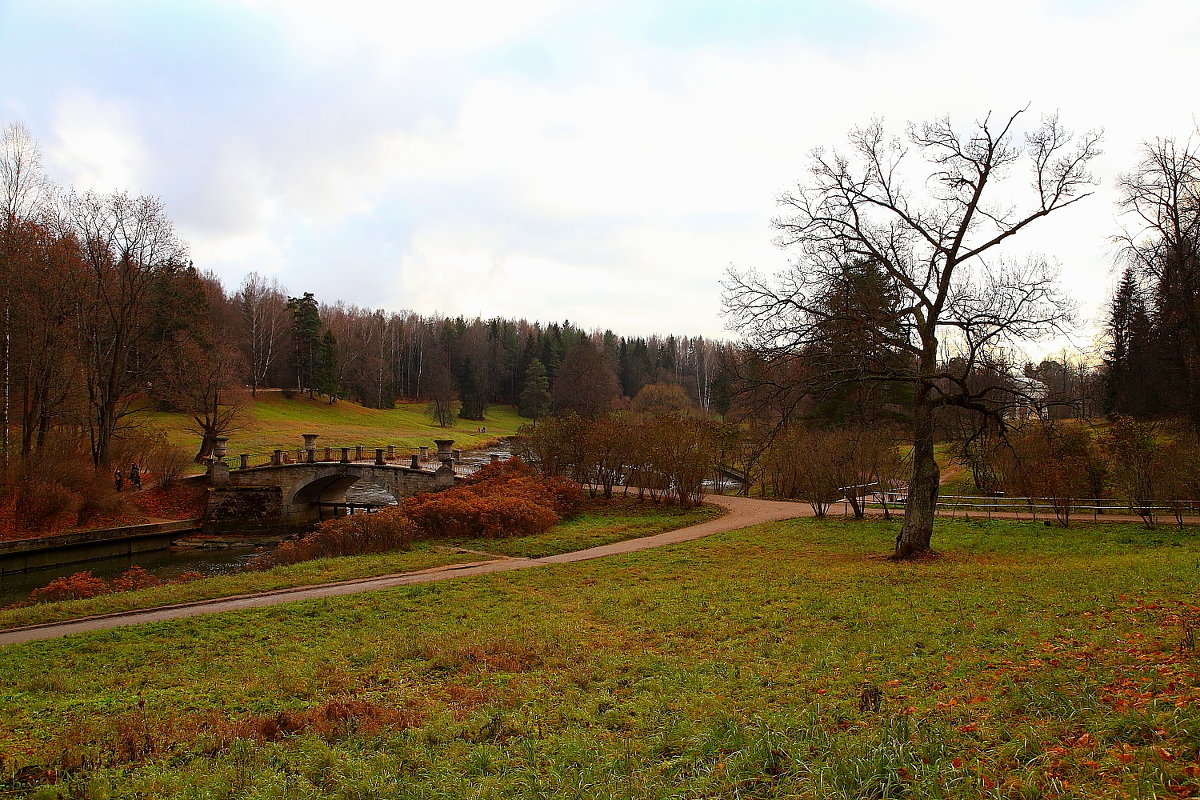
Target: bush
{"x": 46, "y": 505}
{"x": 135, "y": 578}
{"x": 82, "y": 585}
{"x": 504, "y": 499}
{"x": 387, "y": 529}
{"x": 78, "y": 586}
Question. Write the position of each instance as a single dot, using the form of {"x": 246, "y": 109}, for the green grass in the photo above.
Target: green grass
{"x": 1023, "y": 662}
{"x": 272, "y": 421}
{"x": 599, "y": 523}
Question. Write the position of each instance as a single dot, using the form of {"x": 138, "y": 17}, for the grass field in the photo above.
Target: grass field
{"x": 273, "y": 421}
{"x": 599, "y": 523}
{"x": 787, "y": 660}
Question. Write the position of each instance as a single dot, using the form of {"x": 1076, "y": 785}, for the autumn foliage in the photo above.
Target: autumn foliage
{"x": 82, "y": 585}
{"x": 505, "y": 499}
{"x": 389, "y": 529}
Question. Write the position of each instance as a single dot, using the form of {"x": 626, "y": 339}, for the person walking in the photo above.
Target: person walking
{"x": 135, "y": 476}
{"x": 117, "y": 480}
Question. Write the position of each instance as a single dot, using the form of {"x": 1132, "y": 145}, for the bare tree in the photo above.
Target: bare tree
{"x": 128, "y": 242}
{"x": 956, "y": 294}
{"x": 23, "y": 188}
{"x": 263, "y": 305}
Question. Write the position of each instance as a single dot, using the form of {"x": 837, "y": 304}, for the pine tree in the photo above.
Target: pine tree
{"x": 306, "y": 340}
{"x": 535, "y": 397}
{"x": 326, "y": 369}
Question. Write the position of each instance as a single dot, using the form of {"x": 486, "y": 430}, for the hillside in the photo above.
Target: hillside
{"x": 273, "y": 421}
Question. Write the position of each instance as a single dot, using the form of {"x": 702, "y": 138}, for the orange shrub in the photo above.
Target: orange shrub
{"x": 504, "y": 499}
{"x": 134, "y": 578}
{"x": 82, "y": 585}
{"x": 387, "y": 529}
{"x": 71, "y": 587}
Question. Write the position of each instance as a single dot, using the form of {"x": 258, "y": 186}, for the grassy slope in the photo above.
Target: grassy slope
{"x": 598, "y": 524}
{"x": 272, "y": 421}
{"x": 1025, "y": 662}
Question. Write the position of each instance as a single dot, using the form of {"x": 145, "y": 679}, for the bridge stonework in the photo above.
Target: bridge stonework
{"x": 286, "y": 495}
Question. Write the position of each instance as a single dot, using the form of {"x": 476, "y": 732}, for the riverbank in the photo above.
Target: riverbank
{"x": 23, "y": 555}
{"x": 600, "y": 523}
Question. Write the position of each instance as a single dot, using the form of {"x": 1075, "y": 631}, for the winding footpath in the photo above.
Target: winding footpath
{"x": 742, "y": 512}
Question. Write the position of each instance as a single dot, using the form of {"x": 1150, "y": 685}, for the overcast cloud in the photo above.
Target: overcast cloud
{"x": 598, "y": 162}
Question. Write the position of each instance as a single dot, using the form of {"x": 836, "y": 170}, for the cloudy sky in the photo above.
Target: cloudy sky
{"x": 598, "y": 162}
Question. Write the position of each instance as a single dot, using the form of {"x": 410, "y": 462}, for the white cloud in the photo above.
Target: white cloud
{"x": 95, "y": 144}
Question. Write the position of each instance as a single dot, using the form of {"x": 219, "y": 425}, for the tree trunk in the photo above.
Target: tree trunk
{"x": 917, "y": 529}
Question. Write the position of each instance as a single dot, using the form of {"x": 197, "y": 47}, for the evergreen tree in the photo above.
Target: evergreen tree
{"x": 471, "y": 391}
{"x": 535, "y": 397}
{"x": 326, "y": 368}
{"x": 306, "y": 340}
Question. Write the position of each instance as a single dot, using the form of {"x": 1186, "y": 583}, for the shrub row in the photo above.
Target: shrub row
{"x": 82, "y": 585}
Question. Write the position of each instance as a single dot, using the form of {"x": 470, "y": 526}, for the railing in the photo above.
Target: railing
{"x": 334, "y": 455}
{"x": 1046, "y": 507}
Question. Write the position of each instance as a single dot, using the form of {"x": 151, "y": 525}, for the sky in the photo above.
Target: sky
{"x": 603, "y": 163}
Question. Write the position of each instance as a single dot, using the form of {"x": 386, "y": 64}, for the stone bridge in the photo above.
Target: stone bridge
{"x": 293, "y": 494}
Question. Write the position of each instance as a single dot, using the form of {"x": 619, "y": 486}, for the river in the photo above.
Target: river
{"x": 166, "y": 563}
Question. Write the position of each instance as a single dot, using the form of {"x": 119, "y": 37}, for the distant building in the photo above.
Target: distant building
{"x": 1029, "y": 399}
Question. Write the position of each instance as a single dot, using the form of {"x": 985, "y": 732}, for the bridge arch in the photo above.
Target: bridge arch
{"x": 298, "y": 488}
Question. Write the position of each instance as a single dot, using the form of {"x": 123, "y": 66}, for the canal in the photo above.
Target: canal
{"x": 167, "y": 563}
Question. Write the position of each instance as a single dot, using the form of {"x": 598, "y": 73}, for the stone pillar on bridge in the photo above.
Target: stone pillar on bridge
{"x": 443, "y": 448}
{"x": 444, "y": 477}
{"x": 345, "y": 455}
{"x": 310, "y": 447}
{"x": 218, "y": 470}
{"x": 358, "y": 452}
{"x": 328, "y": 454}
{"x": 416, "y": 462}
{"x": 424, "y": 451}
{"x": 277, "y": 458}
{"x": 379, "y": 460}
{"x": 456, "y": 455}
{"x": 391, "y": 452}
{"x": 244, "y": 461}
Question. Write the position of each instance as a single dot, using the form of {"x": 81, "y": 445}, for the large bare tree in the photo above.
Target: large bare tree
{"x": 128, "y": 243}
{"x": 961, "y": 298}
{"x": 24, "y": 188}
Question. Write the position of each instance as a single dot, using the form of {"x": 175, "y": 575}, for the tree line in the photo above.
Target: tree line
{"x": 103, "y": 315}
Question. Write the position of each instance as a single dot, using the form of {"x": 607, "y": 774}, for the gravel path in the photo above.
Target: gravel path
{"x": 742, "y": 512}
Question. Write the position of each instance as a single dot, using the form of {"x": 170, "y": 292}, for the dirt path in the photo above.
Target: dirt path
{"x": 742, "y": 512}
